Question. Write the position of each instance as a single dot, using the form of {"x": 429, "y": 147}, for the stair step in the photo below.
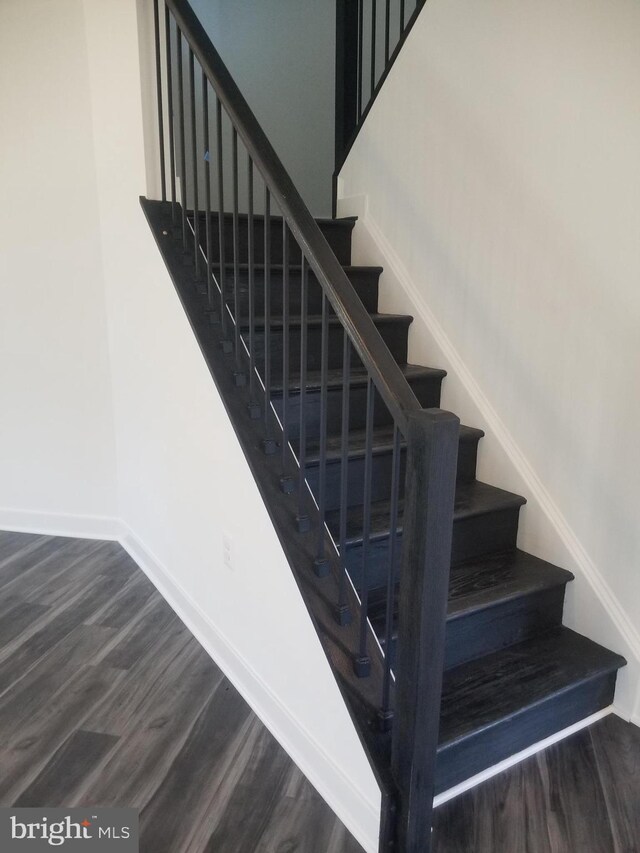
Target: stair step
{"x": 485, "y": 521}
{"x": 365, "y": 281}
{"x": 500, "y": 704}
{"x": 336, "y": 231}
{"x": 494, "y": 602}
{"x": 424, "y": 381}
{"x": 394, "y": 329}
{"x": 382, "y": 463}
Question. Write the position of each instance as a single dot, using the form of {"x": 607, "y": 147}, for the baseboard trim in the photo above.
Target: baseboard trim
{"x": 60, "y": 524}
{"x": 490, "y": 772}
{"x": 333, "y": 785}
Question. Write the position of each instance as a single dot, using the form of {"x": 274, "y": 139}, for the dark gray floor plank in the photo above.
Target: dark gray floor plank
{"x": 575, "y": 805}
{"x": 158, "y": 620}
{"x": 263, "y": 780}
{"x": 29, "y": 745}
{"x": 59, "y": 779}
{"x": 616, "y": 747}
{"x": 199, "y": 775}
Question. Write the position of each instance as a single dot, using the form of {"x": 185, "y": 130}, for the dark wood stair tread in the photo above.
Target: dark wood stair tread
{"x": 499, "y": 687}
{"x": 314, "y": 321}
{"x": 358, "y": 376}
{"x": 259, "y": 266}
{"x": 382, "y": 442}
{"x": 485, "y": 582}
{"x": 472, "y": 499}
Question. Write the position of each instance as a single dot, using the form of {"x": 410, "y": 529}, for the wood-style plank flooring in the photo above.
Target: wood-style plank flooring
{"x": 581, "y": 795}
{"x": 107, "y": 699}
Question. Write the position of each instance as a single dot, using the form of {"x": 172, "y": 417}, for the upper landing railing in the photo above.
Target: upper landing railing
{"x": 369, "y": 37}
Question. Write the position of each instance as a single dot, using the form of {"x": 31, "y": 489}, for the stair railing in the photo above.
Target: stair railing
{"x": 220, "y": 176}
{"x": 369, "y": 37}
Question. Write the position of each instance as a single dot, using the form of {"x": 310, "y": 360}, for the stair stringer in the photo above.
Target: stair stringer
{"x": 591, "y": 606}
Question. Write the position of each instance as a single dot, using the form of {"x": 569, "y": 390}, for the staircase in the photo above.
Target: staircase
{"x": 462, "y": 655}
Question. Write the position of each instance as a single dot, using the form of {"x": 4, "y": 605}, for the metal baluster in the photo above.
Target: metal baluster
{"x": 156, "y": 28}
{"x": 194, "y": 156}
{"x": 269, "y": 442}
{"x": 286, "y": 481}
{"x": 226, "y": 344}
{"x": 401, "y": 18}
{"x": 360, "y": 55}
{"x": 239, "y": 373}
{"x": 321, "y": 564}
{"x": 207, "y": 186}
{"x": 343, "y": 611}
{"x": 302, "y": 518}
{"x": 387, "y": 17}
{"x": 386, "y": 712}
{"x": 183, "y": 163}
{"x": 362, "y": 664}
{"x": 172, "y": 150}
{"x": 254, "y": 408}
{"x": 374, "y": 15}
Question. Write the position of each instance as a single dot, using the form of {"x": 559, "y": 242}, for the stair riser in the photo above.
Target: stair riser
{"x": 494, "y": 628}
{"x": 488, "y": 533}
{"x": 382, "y": 471}
{"x": 394, "y": 335}
{"x": 337, "y": 235}
{"x": 427, "y": 391}
{"x": 488, "y": 747}
{"x": 365, "y": 283}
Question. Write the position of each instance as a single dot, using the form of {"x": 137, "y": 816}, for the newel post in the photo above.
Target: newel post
{"x": 432, "y": 452}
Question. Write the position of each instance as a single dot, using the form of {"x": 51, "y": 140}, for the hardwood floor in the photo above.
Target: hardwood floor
{"x": 581, "y": 795}
{"x": 107, "y": 699}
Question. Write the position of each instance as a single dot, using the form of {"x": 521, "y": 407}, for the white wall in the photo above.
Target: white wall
{"x": 57, "y": 454}
{"x": 502, "y": 173}
{"x": 282, "y": 56}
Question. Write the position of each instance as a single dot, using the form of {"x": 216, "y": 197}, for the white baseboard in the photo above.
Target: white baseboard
{"x": 60, "y": 524}
{"x": 342, "y": 795}
{"x": 490, "y": 772}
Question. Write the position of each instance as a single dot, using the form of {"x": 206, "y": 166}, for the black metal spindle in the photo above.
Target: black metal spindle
{"x": 156, "y": 27}
{"x": 226, "y": 344}
{"x": 172, "y": 149}
{"x": 207, "y": 186}
{"x": 303, "y": 517}
{"x": 321, "y": 563}
{"x": 401, "y": 18}
{"x": 386, "y": 712}
{"x": 343, "y": 611}
{"x": 236, "y": 257}
{"x": 387, "y": 19}
{"x": 194, "y": 168}
{"x": 374, "y": 20}
{"x": 360, "y": 55}
{"x": 362, "y": 665}
{"x": 287, "y": 484}
{"x": 254, "y": 409}
{"x": 183, "y": 156}
{"x": 269, "y": 442}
